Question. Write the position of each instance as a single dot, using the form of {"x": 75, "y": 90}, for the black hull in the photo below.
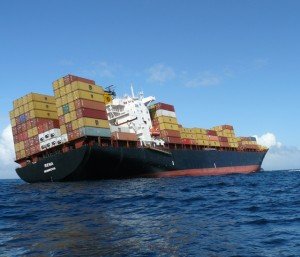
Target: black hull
{"x": 93, "y": 163}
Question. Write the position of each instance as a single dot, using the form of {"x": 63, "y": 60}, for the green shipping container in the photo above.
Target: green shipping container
{"x": 95, "y": 132}
{"x": 66, "y": 108}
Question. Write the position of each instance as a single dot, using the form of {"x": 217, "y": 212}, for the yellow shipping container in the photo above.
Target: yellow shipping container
{"x": 72, "y": 107}
{"x": 64, "y": 100}
{"x": 42, "y": 114}
{"x": 21, "y": 146}
{"x": 68, "y": 89}
{"x": 55, "y": 85}
{"x": 214, "y": 143}
{"x": 233, "y": 145}
{"x": 33, "y": 132}
{"x": 13, "y": 122}
{"x": 89, "y": 122}
{"x": 73, "y": 115}
{"x": 203, "y": 142}
{"x": 75, "y": 124}
{"x": 57, "y": 93}
{"x": 17, "y": 112}
{"x": 17, "y": 147}
{"x": 62, "y": 91}
{"x": 201, "y": 137}
{"x": 166, "y": 119}
{"x": 60, "y": 111}
{"x": 88, "y": 96}
{"x": 67, "y": 118}
{"x": 58, "y": 102}
{"x": 200, "y": 131}
{"x": 21, "y": 110}
{"x": 78, "y": 85}
{"x": 70, "y": 98}
{"x": 63, "y": 129}
{"x": 61, "y": 82}
{"x": 164, "y": 126}
{"x": 22, "y": 154}
{"x": 26, "y": 107}
{"x": 107, "y": 98}
{"x": 11, "y": 114}
{"x": 39, "y": 98}
{"x": 42, "y": 106}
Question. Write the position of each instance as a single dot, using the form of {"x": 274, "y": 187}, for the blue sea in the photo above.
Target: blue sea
{"x": 234, "y": 215}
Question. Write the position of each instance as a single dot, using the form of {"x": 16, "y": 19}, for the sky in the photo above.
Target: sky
{"x": 219, "y": 62}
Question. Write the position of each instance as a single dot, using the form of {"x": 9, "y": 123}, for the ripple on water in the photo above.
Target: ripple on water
{"x": 240, "y": 215}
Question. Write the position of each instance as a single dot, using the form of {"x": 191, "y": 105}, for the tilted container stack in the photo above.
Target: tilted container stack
{"x": 81, "y": 108}
{"x": 226, "y": 136}
{"x": 201, "y": 136}
{"x": 188, "y": 136}
{"x": 248, "y": 143}
{"x": 35, "y": 124}
{"x": 164, "y": 120}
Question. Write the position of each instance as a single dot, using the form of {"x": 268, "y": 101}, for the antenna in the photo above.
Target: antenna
{"x": 132, "y": 93}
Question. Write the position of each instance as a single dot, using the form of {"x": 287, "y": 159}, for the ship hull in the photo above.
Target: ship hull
{"x": 93, "y": 163}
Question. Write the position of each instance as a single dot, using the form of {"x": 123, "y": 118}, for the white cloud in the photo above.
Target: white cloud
{"x": 279, "y": 156}
{"x": 7, "y": 154}
{"x": 205, "y": 79}
{"x": 268, "y": 140}
{"x": 160, "y": 73}
{"x": 100, "y": 69}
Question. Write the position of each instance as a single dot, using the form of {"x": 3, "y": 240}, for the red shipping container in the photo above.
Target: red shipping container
{"x": 124, "y": 136}
{"x": 18, "y": 155}
{"x": 172, "y": 140}
{"x": 163, "y": 106}
{"x": 24, "y": 128}
{"x": 71, "y": 78}
{"x": 19, "y": 129}
{"x": 81, "y": 103}
{"x": 211, "y": 133}
{"x": 14, "y": 131}
{"x": 27, "y": 143}
{"x": 33, "y": 123}
{"x": 61, "y": 120}
{"x": 169, "y": 133}
{"x": 18, "y": 121}
{"x": 27, "y": 151}
{"x": 187, "y": 141}
{"x": 90, "y": 113}
{"x": 24, "y": 136}
{"x": 223, "y": 139}
{"x": 69, "y": 127}
{"x": 213, "y": 138}
{"x": 224, "y": 144}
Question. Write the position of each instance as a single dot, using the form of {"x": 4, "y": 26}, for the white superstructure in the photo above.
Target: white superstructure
{"x": 130, "y": 114}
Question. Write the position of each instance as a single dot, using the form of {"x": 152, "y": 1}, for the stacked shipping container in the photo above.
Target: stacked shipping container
{"x": 81, "y": 108}
{"x": 34, "y": 124}
{"x": 164, "y": 120}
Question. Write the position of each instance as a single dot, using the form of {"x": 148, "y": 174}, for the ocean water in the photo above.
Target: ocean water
{"x": 235, "y": 215}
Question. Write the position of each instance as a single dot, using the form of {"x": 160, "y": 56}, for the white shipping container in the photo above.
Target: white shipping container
{"x": 64, "y": 138}
{"x": 47, "y": 135}
{"x": 165, "y": 113}
{"x": 43, "y": 146}
{"x": 41, "y": 137}
{"x": 54, "y": 133}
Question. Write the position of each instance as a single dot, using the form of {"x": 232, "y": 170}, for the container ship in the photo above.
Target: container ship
{"x": 86, "y": 132}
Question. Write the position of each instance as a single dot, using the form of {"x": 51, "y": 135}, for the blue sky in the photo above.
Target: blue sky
{"x": 218, "y": 62}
